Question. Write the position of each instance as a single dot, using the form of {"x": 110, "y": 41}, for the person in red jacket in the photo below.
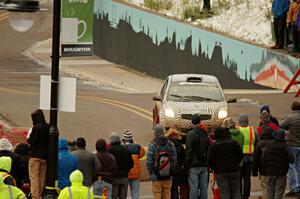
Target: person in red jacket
{"x": 137, "y": 152}
{"x": 266, "y": 121}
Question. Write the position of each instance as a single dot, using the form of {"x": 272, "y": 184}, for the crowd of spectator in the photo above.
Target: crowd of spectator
{"x": 232, "y": 153}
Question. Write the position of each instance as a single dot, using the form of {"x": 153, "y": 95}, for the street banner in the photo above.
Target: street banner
{"x": 66, "y": 93}
{"x": 77, "y": 20}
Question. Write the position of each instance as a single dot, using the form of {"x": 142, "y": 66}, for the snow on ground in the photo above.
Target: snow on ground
{"x": 245, "y": 19}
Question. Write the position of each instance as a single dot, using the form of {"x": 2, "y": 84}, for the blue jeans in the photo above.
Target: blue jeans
{"x": 294, "y": 171}
{"x": 198, "y": 182}
{"x": 98, "y": 187}
{"x": 134, "y": 188}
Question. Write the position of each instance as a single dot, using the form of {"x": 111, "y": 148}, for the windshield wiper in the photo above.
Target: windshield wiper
{"x": 182, "y": 98}
{"x": 177, "y": 96}
{"x": 201, "y": 98}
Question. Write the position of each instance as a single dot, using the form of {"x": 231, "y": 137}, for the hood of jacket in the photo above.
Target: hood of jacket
{"x": 22, "y": 149}
{"x": 38, "y": 117}
{"x": 244, "y": 120}
{"x": 161, "y": 140}
{"x": 63, "y": 145}
{"x": 234, "y": 131}
{"x": 76, "y": 177}
{"x": 5, "y": 145}
{"x": 5, "y": 163}
{"x": 1, "y": 181}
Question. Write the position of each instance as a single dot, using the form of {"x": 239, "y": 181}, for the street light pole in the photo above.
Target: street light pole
{"x": 31, "y": 6}
{"x": 51, "y": 178}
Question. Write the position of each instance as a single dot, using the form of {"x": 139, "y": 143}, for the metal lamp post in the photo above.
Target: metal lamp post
{"x": 19, "y": 8}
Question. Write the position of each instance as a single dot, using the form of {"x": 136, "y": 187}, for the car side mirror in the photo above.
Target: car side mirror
{"x": 156, "y": 98}
{"x": 232, "y": 100}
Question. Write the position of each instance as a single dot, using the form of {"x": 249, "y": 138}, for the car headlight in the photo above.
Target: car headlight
{"x": 222, "y": 114}
{"x": 169, "y": 113}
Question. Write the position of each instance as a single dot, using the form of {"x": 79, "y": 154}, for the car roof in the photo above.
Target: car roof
{"x": 184, "y": 77}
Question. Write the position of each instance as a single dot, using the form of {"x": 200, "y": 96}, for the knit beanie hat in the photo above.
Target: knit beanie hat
{"x": 5, "y": 145}
{"x": 220, "y": 133}
{"x": 228, "y": 123}
{"x": 101, "y": 145}
{"x": 196, "y": 119}
{"x": 265, "y": 116}
{"x": 158, "y": 130}
{"x": 243, "y": 120}
{"x": 295, "y": 106}
{"x": 265, "y": 108}
{"x": 114, "y": 138}
{"x": 80, "y": 142}
{"x": 127, "y": 136}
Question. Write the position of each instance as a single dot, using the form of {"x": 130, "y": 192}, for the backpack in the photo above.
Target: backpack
{"x": 162, "y": 162}
{"x": 201, "y": 147}
{"x": 6, "y": 175}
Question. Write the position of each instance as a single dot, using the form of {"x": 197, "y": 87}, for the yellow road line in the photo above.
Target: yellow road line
{"x": 3, "y": 16}
{"x": 118, "y": 105}
{"x": 8, "y": 90}
{"x": 123, "y": 104}
{"x": 129, "y": 107}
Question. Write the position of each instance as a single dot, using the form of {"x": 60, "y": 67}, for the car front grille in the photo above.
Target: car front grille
{"x": 190, "y": 116}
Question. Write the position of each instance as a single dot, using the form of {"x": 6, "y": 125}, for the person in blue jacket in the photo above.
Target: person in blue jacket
{"x": 280, "y": 9}
{"x": 66, "y": 164}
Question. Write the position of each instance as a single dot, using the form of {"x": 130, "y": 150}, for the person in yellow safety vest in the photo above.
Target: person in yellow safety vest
{"x": 250, "y": 139}
{"x": 76, "y": 190}
{"x": 10, "y": 192}
{"x": 5, "y": 167}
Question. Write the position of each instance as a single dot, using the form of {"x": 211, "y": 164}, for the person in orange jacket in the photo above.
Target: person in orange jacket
{"x": 137, "y": 152}
{"x": 291, "y": 20}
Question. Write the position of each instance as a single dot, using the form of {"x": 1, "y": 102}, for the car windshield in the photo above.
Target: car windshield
{"x": 182, "y": 92}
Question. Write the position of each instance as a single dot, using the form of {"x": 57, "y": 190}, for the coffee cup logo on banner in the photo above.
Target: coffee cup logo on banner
{"x": 77, "y": 21}
{"x": 72, "y": 29}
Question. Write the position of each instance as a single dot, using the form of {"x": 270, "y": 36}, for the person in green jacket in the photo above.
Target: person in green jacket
{"x": 76, "y": 190}
{"x": 9, "y": 191}
{"x": 234, "y": 132}
{"x": 5, "y": 168}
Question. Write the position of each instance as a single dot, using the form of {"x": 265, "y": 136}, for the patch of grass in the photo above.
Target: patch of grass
{"x": 195, "y": 13}
{"x": 158, "y": 4}
{"x": 222, "y": 4}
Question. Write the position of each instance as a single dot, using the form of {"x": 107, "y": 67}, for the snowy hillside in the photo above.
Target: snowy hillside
{"x": 246, "y": 19}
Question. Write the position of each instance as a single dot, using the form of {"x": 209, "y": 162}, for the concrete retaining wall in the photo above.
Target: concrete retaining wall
{"x": 160, "y": 46}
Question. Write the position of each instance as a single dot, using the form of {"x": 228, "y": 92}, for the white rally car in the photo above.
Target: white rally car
{"x": 184, "y": 95}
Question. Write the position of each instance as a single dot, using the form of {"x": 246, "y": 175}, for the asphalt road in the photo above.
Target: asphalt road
{"x": 97, "y": 117}
{"x": 98, "y": 112}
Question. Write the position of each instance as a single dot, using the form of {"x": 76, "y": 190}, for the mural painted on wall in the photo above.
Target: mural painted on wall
{"x": 160, "y": 46}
